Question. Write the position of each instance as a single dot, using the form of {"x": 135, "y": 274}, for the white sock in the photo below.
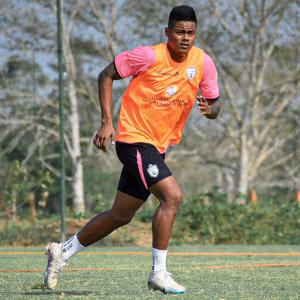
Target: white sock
{"x": 71, "y": 247}
{"x": 159, "y": 258}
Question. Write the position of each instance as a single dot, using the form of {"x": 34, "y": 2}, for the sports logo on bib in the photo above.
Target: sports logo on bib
{"x": 191, "y": 72}
{"x": 153, "y": 170}
{"x": 172, "y": 90}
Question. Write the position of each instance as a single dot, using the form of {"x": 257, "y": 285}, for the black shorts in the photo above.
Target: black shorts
{"x": 143, "y": 166}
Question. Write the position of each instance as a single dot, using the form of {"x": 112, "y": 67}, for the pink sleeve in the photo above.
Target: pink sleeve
{"x": 209, "y": 83}
{"x": 135, "y": 61}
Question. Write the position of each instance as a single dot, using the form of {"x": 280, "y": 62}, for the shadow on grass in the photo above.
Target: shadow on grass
{"x": 57, "y": 293}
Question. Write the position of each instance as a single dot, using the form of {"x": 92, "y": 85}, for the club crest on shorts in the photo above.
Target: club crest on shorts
{"x": 191, "y": 72}
{"x": 153, "y": 170}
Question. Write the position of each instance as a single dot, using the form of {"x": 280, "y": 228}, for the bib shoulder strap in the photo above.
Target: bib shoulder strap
{"x": 198, "y": 60}
{"x": 159, "y": 53}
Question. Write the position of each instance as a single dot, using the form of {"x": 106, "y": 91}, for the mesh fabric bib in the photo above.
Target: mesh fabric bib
{"x": 157, "y": 102}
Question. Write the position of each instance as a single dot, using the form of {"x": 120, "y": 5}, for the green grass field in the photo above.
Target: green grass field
{"x": 208, "y": 272}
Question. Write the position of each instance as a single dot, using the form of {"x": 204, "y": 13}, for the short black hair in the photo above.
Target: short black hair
{"x": 181, "y": 13}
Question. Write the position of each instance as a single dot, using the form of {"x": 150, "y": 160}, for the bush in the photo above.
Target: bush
{"x": 27, "y": 234}
{"x": 208, "y": 219}
{"x": 204, "y": 219}
{"x": 48, "y": 230}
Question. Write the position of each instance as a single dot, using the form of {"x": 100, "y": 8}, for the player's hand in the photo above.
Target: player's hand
{"x": 203, "y": 106}
{"x": 105, "y": 133}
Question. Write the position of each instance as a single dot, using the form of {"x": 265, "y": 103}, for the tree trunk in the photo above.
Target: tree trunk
{"x": 75, "y": 152}
{"x": 31, "y": 203}
{"x": 14, "y": 207}
{"x": 77, "y": 165}
{"x": 229, "y": 187}
{"x": 242, "y": 180}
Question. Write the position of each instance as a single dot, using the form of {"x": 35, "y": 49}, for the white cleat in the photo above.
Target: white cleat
{"x": 55, "y": 264}
{"x": 162, "y": 281}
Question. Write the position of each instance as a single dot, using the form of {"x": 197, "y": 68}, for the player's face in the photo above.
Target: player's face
{"x": 181, "y": 37}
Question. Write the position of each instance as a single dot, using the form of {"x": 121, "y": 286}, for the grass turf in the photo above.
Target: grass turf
{"x": 125, "y": 276}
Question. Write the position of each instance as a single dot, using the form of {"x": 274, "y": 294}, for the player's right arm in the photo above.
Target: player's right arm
{"x": 126, "y": 64}
{"x": 106, "y": 130}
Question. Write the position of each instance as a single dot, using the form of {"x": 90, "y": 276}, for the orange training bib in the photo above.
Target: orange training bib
{"x": 157, "y": 102}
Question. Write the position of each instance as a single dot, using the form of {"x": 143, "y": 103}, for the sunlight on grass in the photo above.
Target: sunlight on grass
{"x": 112, "y": 276}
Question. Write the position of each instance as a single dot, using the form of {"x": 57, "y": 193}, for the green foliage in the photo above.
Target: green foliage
{"x": 45, "y": 230}
{"x": 208, "y": 219}
{"x": 27, "y": 234}
{"x": 100, "y": 188}
{"x": 19, "y": 181}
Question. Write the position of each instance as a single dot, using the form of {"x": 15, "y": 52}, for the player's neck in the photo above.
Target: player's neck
{"x": 177, "y": 57}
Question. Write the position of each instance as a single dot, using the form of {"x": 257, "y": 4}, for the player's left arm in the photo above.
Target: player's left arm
{"x": 209, "y": 102}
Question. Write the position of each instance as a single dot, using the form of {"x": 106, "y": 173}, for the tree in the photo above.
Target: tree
{"x": 254, "y": 142}
{"x": 258, "y": 88}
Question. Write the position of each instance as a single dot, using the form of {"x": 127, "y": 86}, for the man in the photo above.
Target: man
{"x": 155, "y": 106}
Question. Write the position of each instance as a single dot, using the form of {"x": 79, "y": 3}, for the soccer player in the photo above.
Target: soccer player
{"x": 154, "y": 109}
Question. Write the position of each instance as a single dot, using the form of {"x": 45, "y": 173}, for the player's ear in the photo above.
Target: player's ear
{"x": 167, "y": 31}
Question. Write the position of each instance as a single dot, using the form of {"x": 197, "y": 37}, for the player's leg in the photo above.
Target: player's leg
{"x": 170, "y": 196}
{"x": 148, "y": 167}
{"x": 121, "y": 213}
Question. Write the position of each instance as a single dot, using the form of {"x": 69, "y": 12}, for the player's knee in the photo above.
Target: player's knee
{"x": 174, "y": 199}
{"x": 178, "y": 197}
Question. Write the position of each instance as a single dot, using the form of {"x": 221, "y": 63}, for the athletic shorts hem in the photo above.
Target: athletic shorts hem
{"x": 132, "y": 195}
{"x": 162, "y": 178}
